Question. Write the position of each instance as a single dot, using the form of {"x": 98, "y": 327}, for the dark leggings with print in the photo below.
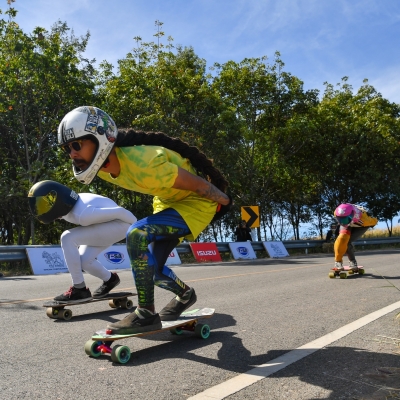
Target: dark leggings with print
{"x": 149, "y": 242}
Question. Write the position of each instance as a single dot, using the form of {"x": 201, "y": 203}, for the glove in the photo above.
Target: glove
{"x": 223, "y": 209}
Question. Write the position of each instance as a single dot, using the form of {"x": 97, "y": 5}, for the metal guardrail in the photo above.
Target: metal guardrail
{"x": 18, "y": 252}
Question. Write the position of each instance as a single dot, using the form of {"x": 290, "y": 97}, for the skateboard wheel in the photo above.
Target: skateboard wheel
{"x": 202, "y": 330}
{"x": 351, "y": 272}
{"x": 176, "y": 331}
{"x": 112, "y": 304}
{"x": 343, "y": 275}
{"x": 361, "y": 271}
{"x": 91, "y": 348}
{"x": 331, "y": 275}
{"x": 125, "y": 303}
{"x": 120, "y": 354}
{"x": 52, "y": 312}
{"x": 65, "y": 314}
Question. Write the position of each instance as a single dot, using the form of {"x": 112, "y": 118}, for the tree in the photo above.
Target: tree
{"x": 42, "y": 76}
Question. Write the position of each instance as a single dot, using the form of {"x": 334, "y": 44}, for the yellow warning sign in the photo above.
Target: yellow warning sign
{"x": 251, "y": 214}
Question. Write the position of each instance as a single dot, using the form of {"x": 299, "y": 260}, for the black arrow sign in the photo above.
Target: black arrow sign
{"x": 253, "y": 216}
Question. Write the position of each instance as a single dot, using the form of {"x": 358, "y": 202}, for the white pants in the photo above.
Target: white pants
{"x": 82, "y": 244}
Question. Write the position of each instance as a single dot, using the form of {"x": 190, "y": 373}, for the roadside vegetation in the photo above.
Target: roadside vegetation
{"x": 295, "y": 153}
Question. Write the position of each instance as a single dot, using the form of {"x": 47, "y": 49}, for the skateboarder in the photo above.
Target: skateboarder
{"x": 354, "y": 221}
{"x": 103, "y": 223}
{"x": 188, "y": 194}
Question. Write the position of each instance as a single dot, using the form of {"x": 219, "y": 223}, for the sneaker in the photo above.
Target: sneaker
{"x": 133, "y": 323}
{"x": 339, "y": 266}
{"x": 74, "y": 295}
{"x": 178, "y": 305}
{"x": 107, "y": 286}
{"x": 353, "y": 264}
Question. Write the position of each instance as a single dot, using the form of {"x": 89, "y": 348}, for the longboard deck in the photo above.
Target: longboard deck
{"x": 110, "y": 296}
{"x": 347, "y": 270}
{"x": 101, "y": 342}
{"x": 184, "y": 319}
{"x": 57, "y": 310}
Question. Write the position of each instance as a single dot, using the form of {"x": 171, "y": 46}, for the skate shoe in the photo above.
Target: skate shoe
{"x": 138, "y": 321}
{"x": 107, "y": 286}
{"x": 339, "y": 266}
{"x": 353, "y": 265}
{"x": 178, "y": 305}
{"x": 74, "y": 295}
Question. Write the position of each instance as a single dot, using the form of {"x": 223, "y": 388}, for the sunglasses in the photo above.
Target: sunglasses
{"x": 75, "y": 145}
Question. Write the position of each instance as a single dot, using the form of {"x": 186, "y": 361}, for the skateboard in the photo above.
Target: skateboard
{"x": 342, "y": 274}
{"x": 188, "y": 321}
{"x": 57, "y": 310}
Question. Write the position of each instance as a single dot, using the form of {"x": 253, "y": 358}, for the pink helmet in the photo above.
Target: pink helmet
{"x": 344, "y": 214}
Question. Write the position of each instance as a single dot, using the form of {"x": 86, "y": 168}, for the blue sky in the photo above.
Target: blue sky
{"x": 319, "y": 40}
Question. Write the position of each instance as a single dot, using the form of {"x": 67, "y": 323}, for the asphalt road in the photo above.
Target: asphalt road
{"x": 265, "y": 310}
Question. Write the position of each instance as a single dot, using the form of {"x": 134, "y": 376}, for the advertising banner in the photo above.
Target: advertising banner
{"x": 242, "y": 250}
{"x": 50, "y": 260}
{"x": 276, "y": 249}
{"x": 205, "y": 252}
{"x": 173, "y": 258}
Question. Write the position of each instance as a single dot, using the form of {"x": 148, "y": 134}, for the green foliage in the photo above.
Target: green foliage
{"x": 280, "y": 147}
{"x": 42, "y": 76}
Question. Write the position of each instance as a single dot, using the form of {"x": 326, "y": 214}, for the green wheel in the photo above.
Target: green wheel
{"x": 65, "y": 314}
{"x": 361, "y": 271}
{"x": 202, "y": 330}
{"x": 331, "y": 275}
{"x": 343, "y": 275}
{"x": 91, "y": 348}
{"x": 351, "y": 272}
{"x": 120, "y": 354}
{"x": 176, "y": 331}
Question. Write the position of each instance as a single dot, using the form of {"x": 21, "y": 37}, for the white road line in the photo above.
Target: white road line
{"x": 241, "y": 381}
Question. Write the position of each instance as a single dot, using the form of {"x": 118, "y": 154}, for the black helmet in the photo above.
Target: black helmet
{"x": 50, "y": 200}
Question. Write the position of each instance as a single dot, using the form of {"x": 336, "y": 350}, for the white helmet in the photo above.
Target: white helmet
{"x": 88, "y": 121}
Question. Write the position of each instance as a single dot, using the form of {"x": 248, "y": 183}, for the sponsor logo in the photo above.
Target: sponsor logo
{"x": 172, "y": 255}
{"x": 206, "y": 253}
{"x": 68, "y": 134}
{"x": 114, "y": 257}
{"x": 243, "y": 251}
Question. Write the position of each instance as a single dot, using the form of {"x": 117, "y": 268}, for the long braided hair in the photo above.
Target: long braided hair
{"x": 200, "y": 162}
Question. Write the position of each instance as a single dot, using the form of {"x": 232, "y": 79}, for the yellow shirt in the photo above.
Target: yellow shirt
{"x": 153, "y": 170}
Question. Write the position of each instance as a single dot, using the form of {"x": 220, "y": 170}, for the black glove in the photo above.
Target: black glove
{"x": 222, "y": 209}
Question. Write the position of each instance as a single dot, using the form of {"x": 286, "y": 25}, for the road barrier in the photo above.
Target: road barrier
{"x": 18, "y": 252}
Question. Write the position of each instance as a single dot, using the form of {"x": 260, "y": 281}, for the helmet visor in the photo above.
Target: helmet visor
{"x": 344, "y": 220}
{"x": 41, "y": 205}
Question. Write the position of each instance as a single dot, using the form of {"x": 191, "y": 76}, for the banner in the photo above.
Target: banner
{"x": 205, "y": 252}
{"x": 276, "y": 249}
{"x": 173, "y": 258}
{"x": 50, "y": 260}
{"x": 242, "y": 250}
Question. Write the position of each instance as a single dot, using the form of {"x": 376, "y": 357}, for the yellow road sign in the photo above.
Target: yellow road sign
{"x": 251, "y": 215}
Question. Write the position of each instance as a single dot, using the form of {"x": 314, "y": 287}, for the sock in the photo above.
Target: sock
{"x": 80, "y": 285}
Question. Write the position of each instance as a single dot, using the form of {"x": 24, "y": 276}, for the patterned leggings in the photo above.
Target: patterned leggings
{"x": 149, "y": 243}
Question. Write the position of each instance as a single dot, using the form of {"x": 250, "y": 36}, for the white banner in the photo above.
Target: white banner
{"x": 173, "y": 258}
{"x": 50, "y": 260}
{"x": 242, "y": 250}
{"x": 276, "y": 249}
